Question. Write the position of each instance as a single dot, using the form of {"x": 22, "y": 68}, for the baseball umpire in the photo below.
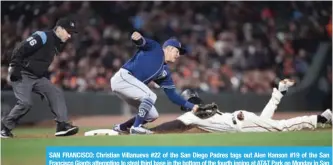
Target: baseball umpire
{"x": 27, "y": 70}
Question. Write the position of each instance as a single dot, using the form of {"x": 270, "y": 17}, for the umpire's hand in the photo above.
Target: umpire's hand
{"x": 14, "y": 73}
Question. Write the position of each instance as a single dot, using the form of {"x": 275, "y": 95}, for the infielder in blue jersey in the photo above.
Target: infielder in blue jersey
{"x": 150, "y": 63}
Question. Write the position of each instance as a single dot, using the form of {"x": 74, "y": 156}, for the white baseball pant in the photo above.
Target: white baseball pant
{"x": 133, "y": 91}
{"x": 265, "y": 123}
{"x": 228, "y": 122}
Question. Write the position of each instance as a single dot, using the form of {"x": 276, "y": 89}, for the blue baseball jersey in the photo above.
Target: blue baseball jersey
{"x": 147, "y": 63}
{"x": 164, "y": 79}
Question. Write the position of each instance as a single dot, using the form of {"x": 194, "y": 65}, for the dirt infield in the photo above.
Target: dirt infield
{"x": 109, "y": 121}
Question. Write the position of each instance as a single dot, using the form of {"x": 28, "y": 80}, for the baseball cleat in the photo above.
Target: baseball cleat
{"x": 285, "y": 84}
{"x": 140, "y": 130}
{"x": 6, "y": 134}
{"x": 119, "y": 130}
{"x": 66, "y": 129}
{"x": 328, "y": 115}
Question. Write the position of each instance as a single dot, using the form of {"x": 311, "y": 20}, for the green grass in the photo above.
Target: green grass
{"x": 25, "y": 151}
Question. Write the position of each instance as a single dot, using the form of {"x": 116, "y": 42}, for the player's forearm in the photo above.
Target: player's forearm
{"x": 177, "y": 99}
{"x": 140, "y": 42}
{"x": 145, "y": 43}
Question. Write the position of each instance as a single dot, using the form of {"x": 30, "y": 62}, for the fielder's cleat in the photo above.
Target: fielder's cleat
{"x": 5, "y": 133}
{"x": 66, "y": 129}
{"x": 285, "y": 84}
{"x": 140, "y": 130}
{"x": 119, "y": 130}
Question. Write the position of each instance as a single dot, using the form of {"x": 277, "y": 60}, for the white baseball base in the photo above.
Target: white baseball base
{"x": 101, "y": 132}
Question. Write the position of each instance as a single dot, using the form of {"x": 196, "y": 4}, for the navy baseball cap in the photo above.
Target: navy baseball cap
{"x": 175, "y": 43}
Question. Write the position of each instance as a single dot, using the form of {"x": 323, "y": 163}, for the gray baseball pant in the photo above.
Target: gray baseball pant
{"x": 23, "y": 92}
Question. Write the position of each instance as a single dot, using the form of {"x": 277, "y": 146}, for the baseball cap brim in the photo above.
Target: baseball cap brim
{"x": 71, "y": 30}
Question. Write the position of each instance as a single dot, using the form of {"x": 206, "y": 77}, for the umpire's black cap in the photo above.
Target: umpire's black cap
{"x": 68, "y": 24}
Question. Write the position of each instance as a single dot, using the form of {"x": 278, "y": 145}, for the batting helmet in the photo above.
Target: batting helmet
{"x": 192, "y": 97}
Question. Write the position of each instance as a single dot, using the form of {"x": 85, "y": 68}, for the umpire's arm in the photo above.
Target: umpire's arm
{"x": 27, "y": 47}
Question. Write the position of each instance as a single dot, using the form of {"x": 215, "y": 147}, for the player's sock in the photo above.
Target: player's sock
{"x": 282, "y": 90}
{"x": 321, "y": 119}
{"x": 124, "y": 126}
{"x": 144, "y": 108}
{"x": 128, "y": 124}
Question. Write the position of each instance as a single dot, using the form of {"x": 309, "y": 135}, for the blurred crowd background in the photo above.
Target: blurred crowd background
{"x": 234, "y": 46}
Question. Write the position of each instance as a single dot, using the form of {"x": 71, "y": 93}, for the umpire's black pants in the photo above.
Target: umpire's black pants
{"x": 23, "y": 92}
